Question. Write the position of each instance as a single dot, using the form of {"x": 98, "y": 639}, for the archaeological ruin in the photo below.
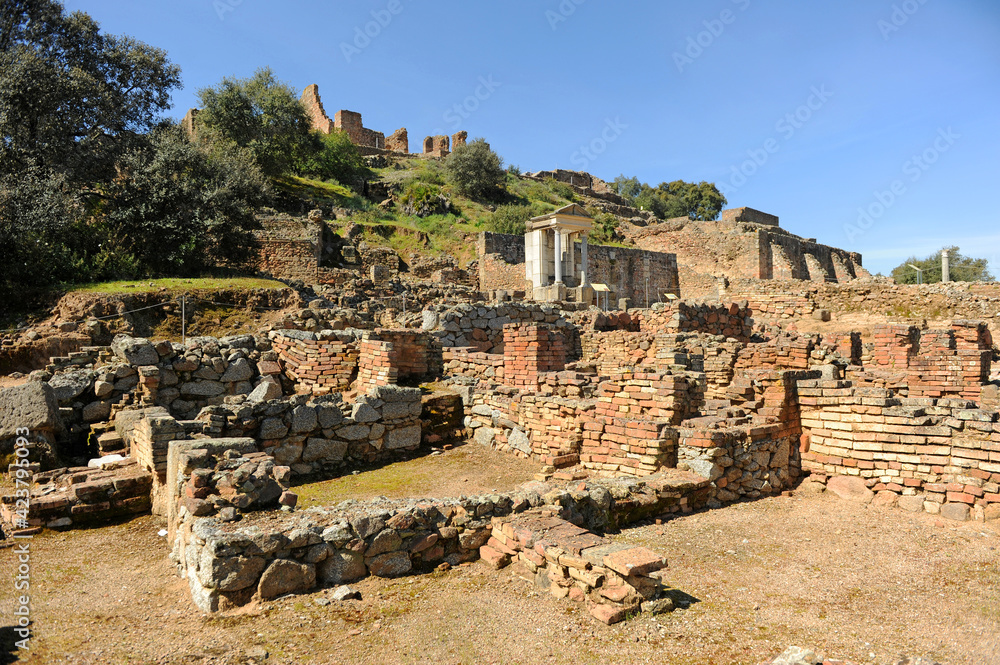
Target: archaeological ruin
{"x": 685, "y": 372}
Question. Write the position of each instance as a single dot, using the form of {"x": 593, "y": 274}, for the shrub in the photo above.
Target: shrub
{"x": 476, "y": 171}
{"x": 422, "y": 200}
{"x": 511, "y": 218}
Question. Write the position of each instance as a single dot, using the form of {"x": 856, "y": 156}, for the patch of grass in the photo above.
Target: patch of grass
{"x": 393, "y": 480}
{"x": 179, "y": 285}
{"x": 328, "y": 192}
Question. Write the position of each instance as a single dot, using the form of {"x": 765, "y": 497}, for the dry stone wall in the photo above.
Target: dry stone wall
{"x": 227, "y": 565}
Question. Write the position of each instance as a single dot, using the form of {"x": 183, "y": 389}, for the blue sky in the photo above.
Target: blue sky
{"x": 872, "y": 125}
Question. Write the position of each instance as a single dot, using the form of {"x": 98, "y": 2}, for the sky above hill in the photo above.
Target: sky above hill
{"x": 871, "y": 125}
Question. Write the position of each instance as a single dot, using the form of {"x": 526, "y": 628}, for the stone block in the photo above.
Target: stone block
{"x": 634, "y": 561}
{"x": 32, "y": 405}
{"x": 403, "y": 437}
{"x": 286, "y": 576}
{"x": 851, "y": 488}
{"x": 955, "y": 511}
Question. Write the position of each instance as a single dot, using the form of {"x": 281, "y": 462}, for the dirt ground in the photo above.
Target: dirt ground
{"x": 858, "y": 582}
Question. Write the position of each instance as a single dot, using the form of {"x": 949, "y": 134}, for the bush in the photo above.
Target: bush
{"x": 334, "y": 157}
{"x": 511, "y": 218}
{"x": 605, "y": 228}
{"x": 476, "y": 171}
{"x": 561, "y": 189}
{"x": 421, "y": 199}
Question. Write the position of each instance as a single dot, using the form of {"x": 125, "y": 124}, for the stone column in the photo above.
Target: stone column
{"x": 583, "y": 260}
{"x": 945, "y": 267}
{"x": 558, "y": 248}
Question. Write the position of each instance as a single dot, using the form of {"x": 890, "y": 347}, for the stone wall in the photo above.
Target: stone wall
{"x": 743, "y": 244}
{"x": 229, "y": 564}
{"x": 528, "y": 351}
{"x": 350, "y": 123}
{"x": 501, "y": 262}
{"x": 314, "y": 108}
{"x": 735, "y": 215}
{"x": 69, "y": 497}
{"x": 437, "y": 146}
{"x": 398, "y": 141}
{"x": 938, "y": 363}
{"x": 289, "y": 248}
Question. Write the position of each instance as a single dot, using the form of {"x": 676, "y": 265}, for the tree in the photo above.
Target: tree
{"x": 181, "y": 209}
{"x": 335, "y": 158}
{"x": 72, "y": 100}
{"x": 259, "y": 114}
{"x": 511, "y": 218}
{"x": 476, "y": 170}
{"x": 627, "y": 188}
{"x": 960, "y": 268}
{"x": 667, "y": 200}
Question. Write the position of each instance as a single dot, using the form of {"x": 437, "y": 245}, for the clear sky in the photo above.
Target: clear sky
{"x": 872, "y": 125}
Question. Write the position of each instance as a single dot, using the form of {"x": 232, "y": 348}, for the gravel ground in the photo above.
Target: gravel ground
{"x": 857, "y": 582}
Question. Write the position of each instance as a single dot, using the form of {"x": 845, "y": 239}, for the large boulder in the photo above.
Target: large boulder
{"x": 70, "y": 385}
{"x": 135, "y": 350}
{"x": 32, "y": 405}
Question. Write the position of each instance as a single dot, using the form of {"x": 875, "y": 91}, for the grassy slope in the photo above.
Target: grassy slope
{"x": 436, "y": 234}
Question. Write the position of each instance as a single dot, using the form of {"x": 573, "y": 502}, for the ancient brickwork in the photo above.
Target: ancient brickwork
{"x": 350, "y": 123}
{"x": 317, "y": 363}
{"x": 501, "y": 262}
{"x": 78, "y": 496}
{"x": 743, "y": 244}
{"x": 727, "y": 319}
{"x": 530, "y": 350}
{"x": 459, "y": 139}
{"x": 289, "y": 248}
{"x": 938, "y": 363}
{"x": 437, "y": 146}
{"x": 735, "y": 215}
{"x": 378, "y": 363}
{"x": 398, "y": 141}
{"x": 188, "y": 123}
{"x": 314, "y": 107}
{"x": 939, "y": 455}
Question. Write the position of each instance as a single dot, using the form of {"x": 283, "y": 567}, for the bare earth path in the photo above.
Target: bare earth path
{"x": 857, "y": 582}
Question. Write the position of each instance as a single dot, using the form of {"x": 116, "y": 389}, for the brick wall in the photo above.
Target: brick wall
{"x": 317, "y": 365}
{"x": 529, "y": 350}
{"x": 932, "y": 452}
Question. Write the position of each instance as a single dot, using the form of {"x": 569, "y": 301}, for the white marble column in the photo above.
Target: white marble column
{"x": 583, "y": 260}
{"x": 558, "y": 262}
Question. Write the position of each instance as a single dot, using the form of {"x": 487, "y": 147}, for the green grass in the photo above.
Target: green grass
{"x": 320, "y": 191}
{"x": 178, "y": 285}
